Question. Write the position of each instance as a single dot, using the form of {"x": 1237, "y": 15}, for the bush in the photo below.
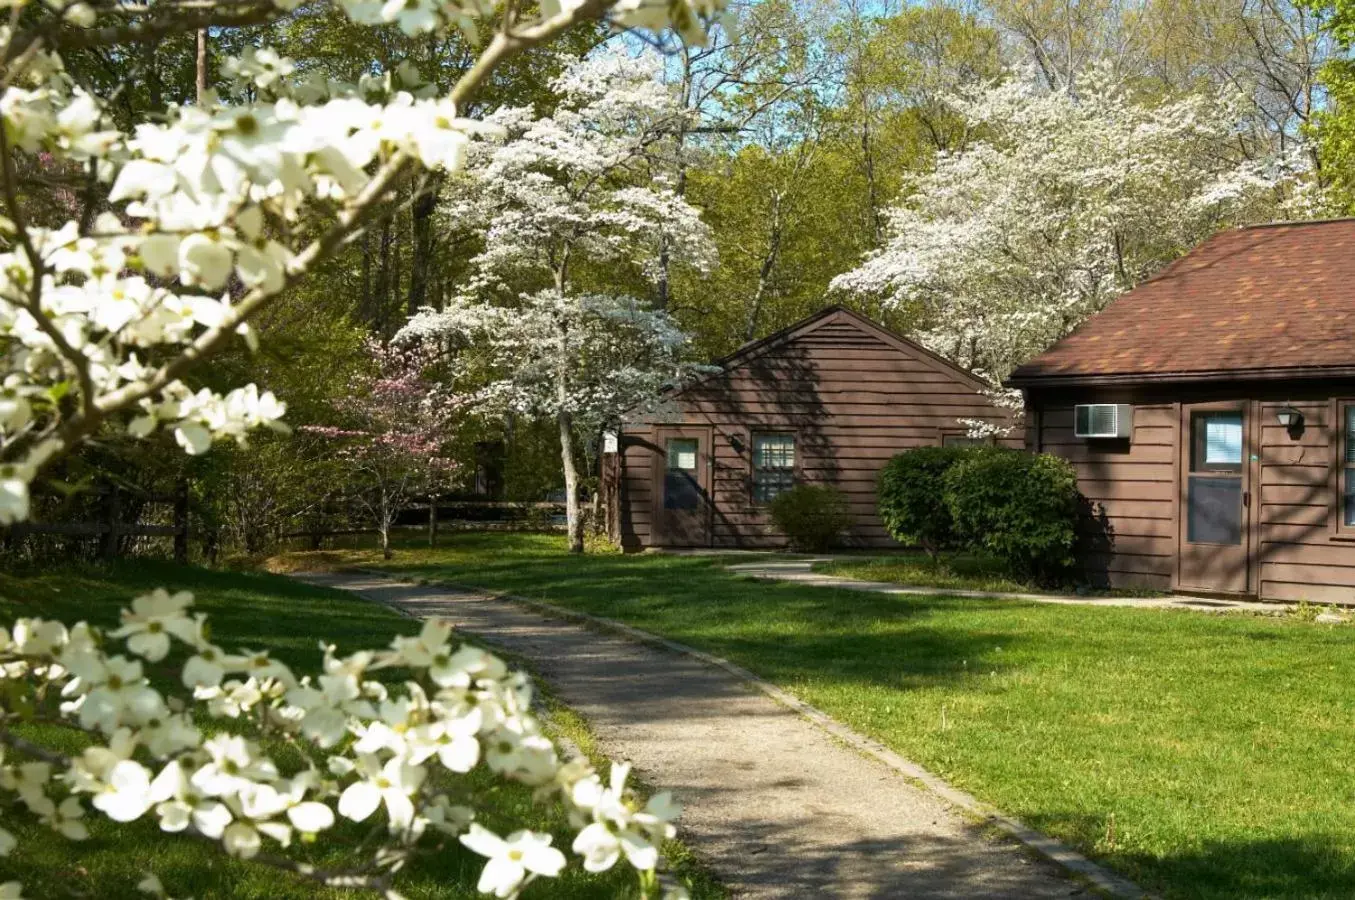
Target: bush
{"x": 1019, "y": 506}
{"x": 911, "y": 497}
{"x": 812, "y": 516}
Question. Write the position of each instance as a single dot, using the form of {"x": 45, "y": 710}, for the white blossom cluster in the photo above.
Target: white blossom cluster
{"x": 101, "y": 317}
{"x": 370, "y": 751}
{"x": 592, "y": 357}
{"x": 556, "y": 191}
{"x": 149, "y": 249}
{"x": 561, "y": 187}
{"x": 1061, "y": 203}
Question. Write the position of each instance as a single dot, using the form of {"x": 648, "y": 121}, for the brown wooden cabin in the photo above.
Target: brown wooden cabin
{"x": 826, "y": 401}
{"x": 1229, "y": 379}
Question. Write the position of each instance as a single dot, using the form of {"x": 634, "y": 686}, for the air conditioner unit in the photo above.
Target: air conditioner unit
{"x": 1103, "y": 420}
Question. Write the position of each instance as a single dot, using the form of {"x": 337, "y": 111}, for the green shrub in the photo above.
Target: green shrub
{"x": 911, "y": 497}
{"x": 1019, "y": 506}
{"x": 812, "y": 516}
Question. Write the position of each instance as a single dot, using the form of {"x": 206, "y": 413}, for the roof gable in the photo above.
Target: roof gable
{"x": 1263, "y": 301}
{"x": 838, "y": 316}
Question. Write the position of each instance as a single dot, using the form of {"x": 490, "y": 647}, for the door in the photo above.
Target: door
{"x": 682, "y": 488}
{"x": 1215, "y": 499}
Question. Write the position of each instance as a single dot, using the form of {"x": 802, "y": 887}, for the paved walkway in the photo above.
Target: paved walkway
{"x": 801, "y": 571}
{"x": 774, "y": 804}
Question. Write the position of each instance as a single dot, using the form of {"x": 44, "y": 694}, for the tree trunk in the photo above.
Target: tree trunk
{"x": 872, "y": 191}
{"x": 432, "y": 520}
{"x": 421, "y": 256}
{"x": 385, "y": 541}
{"x": 202, "y": 67}
{"x": 574, "y": 522}
{"x": 611, "y": 481}
{"x": 381, "y": 294}
{"x": 365, "y": 303}
{"x": 397, "y": 241}
{"x": 764, "y": 275}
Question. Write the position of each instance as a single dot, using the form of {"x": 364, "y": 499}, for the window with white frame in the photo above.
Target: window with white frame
{"x": 773, "y": 465}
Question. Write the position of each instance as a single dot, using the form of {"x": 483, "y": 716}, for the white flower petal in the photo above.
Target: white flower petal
{"x": 359, "y": 801}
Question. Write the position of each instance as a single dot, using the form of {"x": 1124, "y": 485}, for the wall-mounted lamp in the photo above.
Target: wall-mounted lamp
{"x": 1289, "y": 417}
{"x": 736, "y": 442}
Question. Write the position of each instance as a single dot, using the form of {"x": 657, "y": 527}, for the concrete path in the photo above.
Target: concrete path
{"x": 801, "y": 571}
{"x": 774, "y": 805}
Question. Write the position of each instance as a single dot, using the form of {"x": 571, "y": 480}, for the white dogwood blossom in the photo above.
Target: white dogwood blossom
{"x": 102, "y": 316}
{"x": 168, "y": 236}
{"x": 1060, "y": 203}
{"x": 582, "y": 361}
{"x": 397, "y": 759}
{"x": 553, "y": 193}
{"x": 513, "y": 862}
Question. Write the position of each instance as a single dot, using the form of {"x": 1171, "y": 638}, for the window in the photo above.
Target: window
{"x": 681, "y": 480}
{"x": 1214, "y": 495}
{"x": 773, "y": 465}
{"x": 682, "y": 454}
{"x": 1348, "y": 466}
{"x": 1216, "y": 442}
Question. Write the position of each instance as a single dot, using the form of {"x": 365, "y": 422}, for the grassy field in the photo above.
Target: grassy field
{"x": 1204, "y": 756}
{"x": 256, "y": 611}
{"x": 954, "y": 571}
{"x": 957, "y": 570}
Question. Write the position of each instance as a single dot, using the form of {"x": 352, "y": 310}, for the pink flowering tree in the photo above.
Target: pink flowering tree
{"x": 398, "y": 423}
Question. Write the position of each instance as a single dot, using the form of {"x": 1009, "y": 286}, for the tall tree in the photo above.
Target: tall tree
{"x": 1334, "y": 125}
{"x": 1065, "y": 202}
{"x": 1268, "y": 51}
{"x": 560, "y": 195}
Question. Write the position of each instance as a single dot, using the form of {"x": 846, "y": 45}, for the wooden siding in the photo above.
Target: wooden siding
{"x": 1130, "y": 488}
{"x": 1297, "y": 558}
{"x": 852, "y": 397}
{"x": 1296, "y": 554}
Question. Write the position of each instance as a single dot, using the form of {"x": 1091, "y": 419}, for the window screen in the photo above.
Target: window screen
{"x": 1214, "y": 510}
{"x": 773, "y": 465}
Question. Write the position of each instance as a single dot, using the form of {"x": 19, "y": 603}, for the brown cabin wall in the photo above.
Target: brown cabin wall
{"x": 1295, "y": 553}
{"x": 852, "y": 399}
{"x": 1130, "y": 489}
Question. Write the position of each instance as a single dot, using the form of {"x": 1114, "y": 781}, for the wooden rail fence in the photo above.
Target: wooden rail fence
{"x": 110, "y": 527}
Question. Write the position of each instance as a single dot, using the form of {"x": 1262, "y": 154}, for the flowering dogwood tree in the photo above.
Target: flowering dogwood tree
{"x": 561, "y": 191}
{"x": 193, "y": 222}
{"x": 394, "y": 757}
{"x": 582, "y": 361}
{"x": 102, "y": 316}
{"x": 398, "y": 423}
{"x": 1060, "y": 203}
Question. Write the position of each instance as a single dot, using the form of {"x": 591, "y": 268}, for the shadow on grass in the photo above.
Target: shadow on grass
{"x": 1314, "y": 865}
{"x": 247, "y": 610}
{"x": 1172, "y": 718}
{"x": 793, "y": 631}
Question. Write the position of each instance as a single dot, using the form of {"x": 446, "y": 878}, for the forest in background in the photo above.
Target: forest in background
{"x": 981, "y": 176}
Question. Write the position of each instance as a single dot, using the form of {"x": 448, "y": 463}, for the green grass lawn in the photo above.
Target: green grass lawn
{"x": 1204, "y": 756}
{"x": 952, "y": 570}
{"x": 955, "y": 571}
{"x": 272, "y": 613}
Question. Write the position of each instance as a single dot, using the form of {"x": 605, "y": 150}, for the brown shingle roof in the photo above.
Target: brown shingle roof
{"x": 1259, "y": 300}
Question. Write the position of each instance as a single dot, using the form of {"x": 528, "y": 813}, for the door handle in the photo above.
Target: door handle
{"x": 1246, "y": 499}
